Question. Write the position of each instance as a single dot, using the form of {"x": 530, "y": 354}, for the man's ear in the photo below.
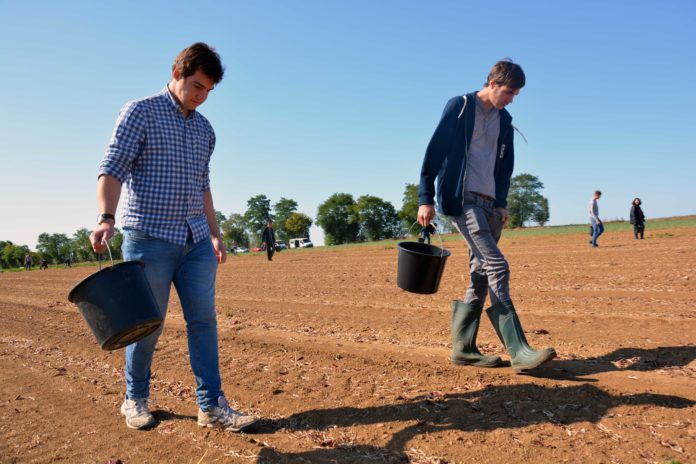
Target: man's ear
{"x": 176, "y": 74}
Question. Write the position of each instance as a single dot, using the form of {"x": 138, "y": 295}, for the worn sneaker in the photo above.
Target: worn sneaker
{"x": 225, "y": 417}
{"x": 137, "y": 413}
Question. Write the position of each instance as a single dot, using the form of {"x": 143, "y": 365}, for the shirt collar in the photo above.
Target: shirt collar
{"x": 176, "y": 104}
{"x": 479, "y": 106}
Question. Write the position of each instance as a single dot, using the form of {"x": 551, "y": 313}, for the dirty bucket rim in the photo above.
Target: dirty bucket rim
{"x": 100, "y": 272}
{"x": 444, "y": 251}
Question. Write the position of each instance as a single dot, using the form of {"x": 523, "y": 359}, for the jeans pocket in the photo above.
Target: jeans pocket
{"x": 137, "y": 235}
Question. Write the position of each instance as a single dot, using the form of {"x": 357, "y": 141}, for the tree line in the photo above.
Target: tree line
{"x": 343, "y": 218}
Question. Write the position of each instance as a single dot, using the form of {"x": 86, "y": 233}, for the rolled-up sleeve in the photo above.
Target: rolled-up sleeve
{"x": 126, "y": 142}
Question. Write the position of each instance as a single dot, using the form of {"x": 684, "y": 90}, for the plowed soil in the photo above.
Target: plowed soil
{"x": 345, "y": 367}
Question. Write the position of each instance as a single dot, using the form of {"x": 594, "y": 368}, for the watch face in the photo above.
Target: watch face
{"x": 103, "y": 217}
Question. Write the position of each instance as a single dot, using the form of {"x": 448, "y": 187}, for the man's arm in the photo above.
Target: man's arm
{"x": 108, "y": 194}
{"x": 215, "y": 234}
{"x": 435, "y": 154}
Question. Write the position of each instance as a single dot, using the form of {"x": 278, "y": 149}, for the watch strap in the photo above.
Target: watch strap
{"x": 104, "y": 217}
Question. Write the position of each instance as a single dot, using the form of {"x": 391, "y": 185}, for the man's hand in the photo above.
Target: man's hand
{"x": 101, "y": 235}
{"x": 426, "y": 213}
{"x": 504, "y": 215}
{"x": 220, "y": 251}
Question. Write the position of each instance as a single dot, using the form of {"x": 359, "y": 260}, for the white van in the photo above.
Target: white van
{"x": 301, "y": 243}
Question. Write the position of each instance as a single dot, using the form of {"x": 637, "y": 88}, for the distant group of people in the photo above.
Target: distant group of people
{"x": 597, "y": 227}
{"x": 28, "y": 263}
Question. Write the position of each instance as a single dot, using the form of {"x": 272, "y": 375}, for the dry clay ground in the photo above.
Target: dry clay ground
{"x": 346, "y": 367}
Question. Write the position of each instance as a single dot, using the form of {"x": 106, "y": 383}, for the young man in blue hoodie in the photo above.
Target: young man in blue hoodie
{"x": 471, "y": 156}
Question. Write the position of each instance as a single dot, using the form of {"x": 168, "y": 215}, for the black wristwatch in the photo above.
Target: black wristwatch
{"x": 104, "y": 216}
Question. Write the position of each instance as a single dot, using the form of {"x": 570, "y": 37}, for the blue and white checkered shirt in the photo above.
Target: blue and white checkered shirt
{"x": 163, "y": 160}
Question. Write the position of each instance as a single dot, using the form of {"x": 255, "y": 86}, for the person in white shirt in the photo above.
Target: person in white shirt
{"x": 597, "y": 226}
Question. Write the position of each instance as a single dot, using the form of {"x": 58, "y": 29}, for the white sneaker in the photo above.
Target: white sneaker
{"x": 224, "y": 416}
{"x": 137, "y": 413}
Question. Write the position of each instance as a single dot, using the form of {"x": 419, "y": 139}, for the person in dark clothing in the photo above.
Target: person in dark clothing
{"x": 426, "y": 232}
{"x": 268, "y": 238}
{"x": 44, "y": 264}
{"x": 27, "y": 262}
{"x": 637, "y": 219}
{"x": 470, "y": 158}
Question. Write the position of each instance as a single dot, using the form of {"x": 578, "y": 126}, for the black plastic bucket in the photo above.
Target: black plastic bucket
{"x": 420, "y": 267}
{"x": 118, "y": 304}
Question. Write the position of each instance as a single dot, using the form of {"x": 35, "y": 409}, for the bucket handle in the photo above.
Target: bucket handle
{"x": 110, "y": 255}
{"x": 442, "y": 242}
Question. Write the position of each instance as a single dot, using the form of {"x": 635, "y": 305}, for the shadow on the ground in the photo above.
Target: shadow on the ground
{"x": 491, "y": 408}
{"x": 623, "y": 359}
{"x": 162, "y": 415}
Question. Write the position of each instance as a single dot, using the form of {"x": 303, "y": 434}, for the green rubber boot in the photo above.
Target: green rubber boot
{"x": 465, "y": 324}
{"x": 507, "y": 325}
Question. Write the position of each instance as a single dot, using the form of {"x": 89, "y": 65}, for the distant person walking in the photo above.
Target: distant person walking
{"x": 161, "y": 149}
{"x": 471, "y": 154}
{"x": 637, "y": 219}
{"x": 268, "y": 238}
{"x": 595, "y": 222}
{"x": 234, "y": 247}
{"x": 44, "y": 264}
{"x": 426, "y": 232}
{"x": 27, "y": 262}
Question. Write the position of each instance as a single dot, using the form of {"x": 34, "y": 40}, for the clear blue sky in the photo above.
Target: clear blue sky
{"x": 322, "y": 97}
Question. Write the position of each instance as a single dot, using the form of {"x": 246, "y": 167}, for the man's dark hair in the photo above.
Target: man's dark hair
{"x": 597, "y": 192}
{"x": 199, "y": 56}
{"x": 505, "y": 72}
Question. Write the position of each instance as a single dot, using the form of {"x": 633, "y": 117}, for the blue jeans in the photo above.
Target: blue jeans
{"x": 482, "y": 227}
{"x": 597, "y": 230}
{"x": 192, "y": 269}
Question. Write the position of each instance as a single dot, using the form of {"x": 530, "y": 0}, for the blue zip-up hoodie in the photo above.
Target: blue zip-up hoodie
{"x": 445, "y": 157}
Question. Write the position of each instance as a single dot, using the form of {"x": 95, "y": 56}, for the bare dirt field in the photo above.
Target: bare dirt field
{"x": 345, "y": 367}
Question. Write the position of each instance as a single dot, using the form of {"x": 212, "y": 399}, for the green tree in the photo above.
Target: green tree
{"x": 117, "y": 244}
{"x": 234, "y": 229}
{"x": 378, "y": 218}
{"x": 337, "y": 217}
{"x": 81, "y": 245}
{"x": 409, "y": 209}
{"x": 297, "y": 225}
{"x": 283, "y": 209}
{"x": 257, "y": 213}
{"x": 525, "y": 199}
{"x": 12, "y": 256}
{"x": 219, "y": 217}
{"x": 53, "y": 246}
{"x": 541, "y": 213}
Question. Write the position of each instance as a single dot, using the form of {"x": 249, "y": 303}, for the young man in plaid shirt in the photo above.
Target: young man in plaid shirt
{"x": 160, "y": 149}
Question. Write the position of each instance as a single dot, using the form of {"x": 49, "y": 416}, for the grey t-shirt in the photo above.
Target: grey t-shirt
{"x": 480, "y": 161}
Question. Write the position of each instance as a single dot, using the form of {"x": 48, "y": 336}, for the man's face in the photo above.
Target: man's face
{"x": 192, "y": 91}
{"x": 502, "y": 95}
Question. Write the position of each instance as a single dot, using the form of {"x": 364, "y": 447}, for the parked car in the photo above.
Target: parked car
{"x": 301, "y": 243}
{"x": 280, "y": 245}
{"x": 241, "y": 250}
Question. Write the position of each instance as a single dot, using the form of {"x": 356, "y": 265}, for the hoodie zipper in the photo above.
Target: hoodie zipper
{"x": 462, "y": 177}
{"x": 501, "y": 153}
